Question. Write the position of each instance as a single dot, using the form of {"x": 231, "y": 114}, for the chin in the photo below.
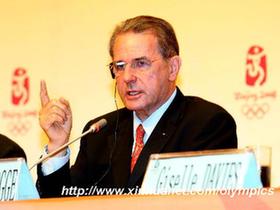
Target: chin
{"x": 132, "y": 107}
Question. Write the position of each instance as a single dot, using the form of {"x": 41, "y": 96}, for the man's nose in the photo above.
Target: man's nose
{"x": 129, "y": 74}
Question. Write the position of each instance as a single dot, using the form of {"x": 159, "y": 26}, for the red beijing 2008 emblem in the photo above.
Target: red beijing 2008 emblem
{"x": 20, "y": 87}
{"x": 256, "y": 71}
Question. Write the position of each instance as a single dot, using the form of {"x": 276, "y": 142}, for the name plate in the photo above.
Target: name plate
{"x": 199, "y": 171}
{"x": 15, "y": 180}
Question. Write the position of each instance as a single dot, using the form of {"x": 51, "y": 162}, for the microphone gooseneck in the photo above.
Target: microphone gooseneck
{"x": 93, "y": 128}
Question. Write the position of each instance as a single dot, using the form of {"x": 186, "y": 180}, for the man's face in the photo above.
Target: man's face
{"x": 147, "y": 84}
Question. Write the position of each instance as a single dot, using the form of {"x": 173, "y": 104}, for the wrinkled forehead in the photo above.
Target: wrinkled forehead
{"x": 135, "y": 45}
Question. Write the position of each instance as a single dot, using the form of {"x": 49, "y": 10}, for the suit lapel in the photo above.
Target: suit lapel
{"x": 155, "y": 144}
{"x": 160, "y": 136}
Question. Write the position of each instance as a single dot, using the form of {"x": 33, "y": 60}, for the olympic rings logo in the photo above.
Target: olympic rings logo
{"x": 255, "y": 110}
{"x": 19, "y": 128}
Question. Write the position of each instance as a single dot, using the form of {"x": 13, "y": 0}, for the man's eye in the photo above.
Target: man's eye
{"x": 141, "y": 64}
{"x": 120, "y": 66}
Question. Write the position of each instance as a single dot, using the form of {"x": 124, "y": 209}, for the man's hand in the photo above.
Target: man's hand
{"x": 55, "y": 119}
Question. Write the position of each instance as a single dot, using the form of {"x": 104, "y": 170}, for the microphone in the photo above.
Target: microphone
{"x": 95, "y": 127}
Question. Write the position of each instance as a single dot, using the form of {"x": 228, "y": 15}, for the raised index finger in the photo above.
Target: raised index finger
{"x": 44, "y": 93}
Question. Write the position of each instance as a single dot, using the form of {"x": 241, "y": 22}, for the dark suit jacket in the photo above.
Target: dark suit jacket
{"x": 189, "y": 124}
{"x": 10, "y": 149}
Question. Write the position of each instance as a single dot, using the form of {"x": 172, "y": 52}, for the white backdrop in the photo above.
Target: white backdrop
{"x": 66, "y": 43}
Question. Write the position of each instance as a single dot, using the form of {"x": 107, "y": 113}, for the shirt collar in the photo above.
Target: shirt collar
{"x": 150, "y": 123}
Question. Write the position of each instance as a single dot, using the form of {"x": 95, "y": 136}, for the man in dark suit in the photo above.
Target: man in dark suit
{"x": 157, "y": 117}
{"x": 10, "y": 149}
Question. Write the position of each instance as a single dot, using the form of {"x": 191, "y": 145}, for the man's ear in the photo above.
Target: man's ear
{"x": 174, "y": 67}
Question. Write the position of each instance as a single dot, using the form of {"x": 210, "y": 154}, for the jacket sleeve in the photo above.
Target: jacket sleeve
{"x": 55, "y": 184}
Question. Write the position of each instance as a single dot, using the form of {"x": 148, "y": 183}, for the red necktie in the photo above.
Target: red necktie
{"x": 140, "y": 132}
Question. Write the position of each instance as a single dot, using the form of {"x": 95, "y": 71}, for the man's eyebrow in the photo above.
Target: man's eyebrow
{"x": 140, "y": 58}
{"x": 134, "y": 59}
{"x": 119, "y": 62}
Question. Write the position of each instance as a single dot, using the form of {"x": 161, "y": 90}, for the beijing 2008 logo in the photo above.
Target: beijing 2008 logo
{"x": 256, "y": 71}
{"x": 19, "y": 117}
{"x": 256, "y": 100}
{"x": 20, "y": 87}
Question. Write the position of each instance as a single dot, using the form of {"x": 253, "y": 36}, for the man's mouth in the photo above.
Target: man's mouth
{"x": 133, "y": 93}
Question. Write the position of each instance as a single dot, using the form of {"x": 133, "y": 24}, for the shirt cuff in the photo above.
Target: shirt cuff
{"x": 54, "y": 163}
